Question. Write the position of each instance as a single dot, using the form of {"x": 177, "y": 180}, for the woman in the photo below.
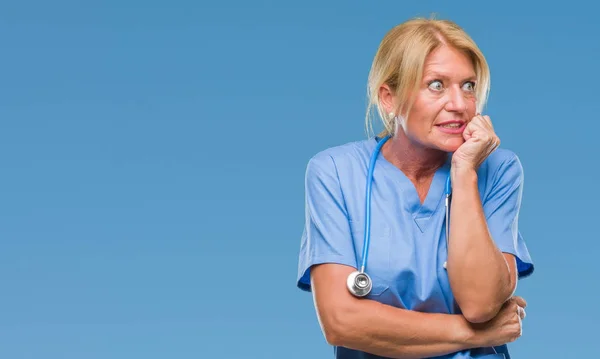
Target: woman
{"x": 440, "y": 285}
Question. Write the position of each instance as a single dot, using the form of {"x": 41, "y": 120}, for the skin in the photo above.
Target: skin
{"x": 483, "y": 279}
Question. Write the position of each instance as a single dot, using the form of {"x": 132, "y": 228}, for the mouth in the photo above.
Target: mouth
{"x": 452, "y": 127}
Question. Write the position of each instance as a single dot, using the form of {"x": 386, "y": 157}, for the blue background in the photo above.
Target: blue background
{"x": 153, "y": 156}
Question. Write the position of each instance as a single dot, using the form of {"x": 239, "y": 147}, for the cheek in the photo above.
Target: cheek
{"x": 425, "y": 113}
{"x": 472, "y": 107}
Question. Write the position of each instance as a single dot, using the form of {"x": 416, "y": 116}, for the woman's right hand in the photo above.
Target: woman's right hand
{"x": 505, "y": 327}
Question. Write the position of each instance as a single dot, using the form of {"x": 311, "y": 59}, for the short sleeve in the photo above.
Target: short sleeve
{"x": 326, "y": 237}
{"x": 501, "y": 208}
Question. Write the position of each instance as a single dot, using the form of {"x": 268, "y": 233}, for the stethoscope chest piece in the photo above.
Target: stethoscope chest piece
{"x": 359, "y": 283}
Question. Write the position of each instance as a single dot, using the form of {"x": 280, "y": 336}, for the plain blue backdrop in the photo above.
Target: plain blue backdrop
{"x": 153, "y": 155}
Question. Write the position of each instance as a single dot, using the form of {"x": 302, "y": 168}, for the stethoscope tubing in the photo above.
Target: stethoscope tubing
{"x": 367, "y": 236}
{"x": 369, "y": 184}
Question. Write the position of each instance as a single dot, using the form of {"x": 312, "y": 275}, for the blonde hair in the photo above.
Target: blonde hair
{"x": 400, "y": 60}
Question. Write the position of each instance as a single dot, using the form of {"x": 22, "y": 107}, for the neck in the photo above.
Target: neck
{"x": 416, "y": 161}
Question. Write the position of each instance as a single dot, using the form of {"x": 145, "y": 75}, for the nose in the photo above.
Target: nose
{"x": 456, "y": 101}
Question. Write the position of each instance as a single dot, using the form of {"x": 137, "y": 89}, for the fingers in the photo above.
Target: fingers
{"x": 514, "y": 314}
{"x": 486, "y": 131}
{"x": 521, "y": 312}
{"x": 521, "y": 304}
{"x": 486, "y": 120}
{"x": 520, "y": 316}
{"x": 520, "y": 301}
{"x": 468, "y": 132}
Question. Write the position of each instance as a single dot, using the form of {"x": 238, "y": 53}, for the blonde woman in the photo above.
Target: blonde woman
{"x": 411, "y": 245}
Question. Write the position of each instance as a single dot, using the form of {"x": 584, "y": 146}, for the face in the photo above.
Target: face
{"x": 445, "y": 101}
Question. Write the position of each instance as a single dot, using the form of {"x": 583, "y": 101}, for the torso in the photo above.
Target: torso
{"x": 407, "y": 236}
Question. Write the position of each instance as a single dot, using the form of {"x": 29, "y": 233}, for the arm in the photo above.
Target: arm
{"x": 481, "y": 276}
{"x": 370, "y": 326}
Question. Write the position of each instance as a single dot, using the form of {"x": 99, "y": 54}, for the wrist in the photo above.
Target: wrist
{"x": 466, "y": 334}
{"x": 463, "y": 175}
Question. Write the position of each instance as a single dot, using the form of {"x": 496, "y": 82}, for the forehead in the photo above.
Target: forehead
{"x": 449, "y": 61}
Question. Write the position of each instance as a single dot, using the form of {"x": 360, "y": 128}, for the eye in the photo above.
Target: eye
{"x": 469, "y": 86}
{"x": 436, "y": 85}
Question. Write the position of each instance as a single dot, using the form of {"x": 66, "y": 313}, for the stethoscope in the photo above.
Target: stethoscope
{"x": 359, "y": 283}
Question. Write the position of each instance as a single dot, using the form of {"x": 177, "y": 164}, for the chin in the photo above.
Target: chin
{"x": 450, "y": 145}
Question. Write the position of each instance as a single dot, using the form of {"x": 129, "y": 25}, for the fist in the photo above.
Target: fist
{"x": 480, "y": 141}
{"x": 506, "y": 327}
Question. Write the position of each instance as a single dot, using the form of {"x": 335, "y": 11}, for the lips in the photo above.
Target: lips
{"x": 451, "y": 127}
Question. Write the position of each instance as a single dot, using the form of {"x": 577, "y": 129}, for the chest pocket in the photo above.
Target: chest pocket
{"x": 378, "y": 261}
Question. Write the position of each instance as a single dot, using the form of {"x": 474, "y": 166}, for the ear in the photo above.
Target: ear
{"x": 386, "y": 98}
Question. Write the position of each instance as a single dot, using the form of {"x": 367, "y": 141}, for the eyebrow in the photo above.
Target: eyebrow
{"x": 436, "y": 74}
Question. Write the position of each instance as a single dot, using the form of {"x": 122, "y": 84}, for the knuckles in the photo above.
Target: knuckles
{"x": 513, "y": 310}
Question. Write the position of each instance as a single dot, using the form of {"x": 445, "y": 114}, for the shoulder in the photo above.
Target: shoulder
{"x": 502, "y": 168}
{"x": 502, "y": 157}
{"x": 340, "y": 158}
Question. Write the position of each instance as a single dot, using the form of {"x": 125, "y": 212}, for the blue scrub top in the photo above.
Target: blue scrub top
{"x": 408, "y": 240}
